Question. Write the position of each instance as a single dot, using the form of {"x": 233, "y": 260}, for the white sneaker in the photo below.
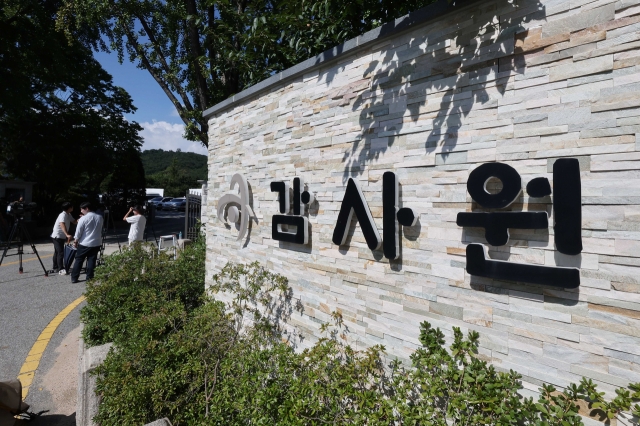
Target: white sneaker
{"x": 63, "y": 272}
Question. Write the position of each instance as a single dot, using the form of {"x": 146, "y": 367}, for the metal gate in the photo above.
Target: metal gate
{"x": 192, "y": 215}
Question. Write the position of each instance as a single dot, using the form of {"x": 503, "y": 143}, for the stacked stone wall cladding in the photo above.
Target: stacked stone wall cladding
{"x": 519, "y": 82}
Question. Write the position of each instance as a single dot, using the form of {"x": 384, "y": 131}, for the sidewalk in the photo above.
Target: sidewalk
{"x": 39, "y": 299}
{"x": 56, "y": 388}
{"x": 55, "y": 382}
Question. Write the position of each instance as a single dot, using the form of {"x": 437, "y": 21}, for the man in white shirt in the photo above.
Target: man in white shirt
{"x": 60, "y": 236}
{"x": 138, "y": 222}
{"x": 88, "y": 240}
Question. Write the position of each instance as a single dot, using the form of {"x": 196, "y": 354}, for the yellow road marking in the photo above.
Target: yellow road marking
{"x": 26, "y": 260}
{"x": 31, "y": 363}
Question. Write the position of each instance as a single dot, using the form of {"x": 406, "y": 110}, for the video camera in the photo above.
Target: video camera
{"x": 18, "y": 209}
{"x": 149, "y": 211}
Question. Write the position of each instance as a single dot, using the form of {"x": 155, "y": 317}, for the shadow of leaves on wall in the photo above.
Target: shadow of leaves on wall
{"x": 433, "y": 82}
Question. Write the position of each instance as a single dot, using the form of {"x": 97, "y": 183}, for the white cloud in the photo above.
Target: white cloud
{"x": 168, "y": 136}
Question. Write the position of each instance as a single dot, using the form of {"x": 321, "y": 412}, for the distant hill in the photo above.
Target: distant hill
{"x": 158, "y": 160}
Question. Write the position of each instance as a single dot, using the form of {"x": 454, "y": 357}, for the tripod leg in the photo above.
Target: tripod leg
{"x": 20, "y": 251}
{"x": 114, "y": 231}
{"x": 102, "y": 247}
{"x": 11, "y": 236}
{"x": 108, "y": 220}
{"x": 154, "y": 233}
{"x": 35, "y": 251}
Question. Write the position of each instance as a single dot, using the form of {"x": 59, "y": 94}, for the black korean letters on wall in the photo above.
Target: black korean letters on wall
{"x": 297, "y": 220}
{"x": 567, "y": 217}
{"x": 477, "y": 264}
{"x": 567, "y": 206}
{"x": 392, "y": 216}
{"x": 355, "y": 203}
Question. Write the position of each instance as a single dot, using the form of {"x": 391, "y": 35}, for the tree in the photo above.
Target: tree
{"x": 175, "y": 180}
{"x": 157, "y": 160}
{"x": 201, "y": 52}
{"x": 62, "y": 120}
{"x": 126, "y": 184}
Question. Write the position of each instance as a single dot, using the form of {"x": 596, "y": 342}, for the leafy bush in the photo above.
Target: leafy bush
{"x": 138, "y": 282}
{"x": 227, "y": 364}
{"x": 180, "y": 362}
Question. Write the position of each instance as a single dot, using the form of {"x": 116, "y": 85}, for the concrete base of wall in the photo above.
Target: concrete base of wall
{"x": 88, "y": 401}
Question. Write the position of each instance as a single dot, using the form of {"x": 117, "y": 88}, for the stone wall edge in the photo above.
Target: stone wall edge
{"x": 390, "y": 29}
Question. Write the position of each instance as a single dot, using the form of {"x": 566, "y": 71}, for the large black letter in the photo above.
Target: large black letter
{"x": 496, "y": 224}
{"x": 567, "y": 206}
{"x": 511, "y": 185}
{"x": 282, "y": 188}
{"x": 478, "y": 265}
{"x": 354, "y": 202}
{"x": 298, "y": 187}
{"x": 390, "y": 231}
{"x": 391, "y": 216}
{"x": 301, "y": 235}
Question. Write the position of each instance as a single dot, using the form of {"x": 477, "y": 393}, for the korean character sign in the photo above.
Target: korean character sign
{"x": 354, "y": 204}
{"x": 297, "y": 220}
{"x": 567, "y": 216}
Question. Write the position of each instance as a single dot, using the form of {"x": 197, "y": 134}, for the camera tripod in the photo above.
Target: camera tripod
{"x": 108, "y": 220}
{"x": 18, "y": 230}
{"x": 150, "y": 214}
{"x": 3, "y": 229}
{"x": 152, "y": 230}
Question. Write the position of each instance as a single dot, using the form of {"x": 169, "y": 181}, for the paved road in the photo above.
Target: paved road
{"x": 165, "y": 223}
{"x": 28, "y": 302}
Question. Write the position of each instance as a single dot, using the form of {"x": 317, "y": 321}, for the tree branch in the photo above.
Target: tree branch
{"x": 211, "y": 16}
{"x": 133, "y": 41}
{"x": 196, "y": 52}
{"x": 163, "y": 60}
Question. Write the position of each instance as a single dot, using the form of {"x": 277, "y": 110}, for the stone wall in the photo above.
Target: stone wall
{"x": 519, "y": 82}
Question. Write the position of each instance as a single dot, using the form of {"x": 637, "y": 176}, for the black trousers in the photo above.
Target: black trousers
{"x": 58, "y": 253}
{"x": 83, "y": 252}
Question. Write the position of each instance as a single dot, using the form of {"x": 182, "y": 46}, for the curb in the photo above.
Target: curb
{"x": 88, "y": 401}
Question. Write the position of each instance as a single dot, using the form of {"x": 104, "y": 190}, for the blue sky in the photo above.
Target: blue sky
{"x": 163, "y": 128}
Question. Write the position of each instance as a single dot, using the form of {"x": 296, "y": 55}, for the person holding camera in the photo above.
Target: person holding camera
{"x": 138, "y": 222}
{"x": 60, "y": 236}
{"x": 88, "y": 240}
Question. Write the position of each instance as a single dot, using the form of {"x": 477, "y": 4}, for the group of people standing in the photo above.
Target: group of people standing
{"x": 88, "y": 237}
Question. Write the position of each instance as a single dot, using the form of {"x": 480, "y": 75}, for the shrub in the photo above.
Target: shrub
{"x": 138, "y": 282}
{"x": 190, "y": 364}
{"x": 220, "y": 363}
